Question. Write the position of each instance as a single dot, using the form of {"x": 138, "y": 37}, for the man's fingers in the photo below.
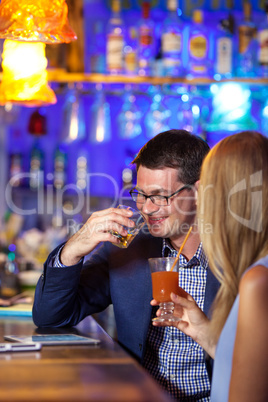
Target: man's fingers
{"x": 114, "y": 220}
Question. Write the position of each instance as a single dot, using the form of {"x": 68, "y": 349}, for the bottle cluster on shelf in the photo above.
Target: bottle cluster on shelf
{"x": 181, "y": 48}
{"x": 93, "y": 124}
{"x": 99, "y": 129}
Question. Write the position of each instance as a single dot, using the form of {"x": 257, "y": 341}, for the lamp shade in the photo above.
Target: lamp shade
{"x": 36, "y": 21}
{"x": 24, "y": 78}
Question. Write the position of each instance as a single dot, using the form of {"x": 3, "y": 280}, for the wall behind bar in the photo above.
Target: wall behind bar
{"x": 108, "y": 159}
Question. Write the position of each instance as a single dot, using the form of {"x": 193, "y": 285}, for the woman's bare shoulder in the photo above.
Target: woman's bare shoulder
{"x": 256, "y": 276}
{"x": 254, "y": 284}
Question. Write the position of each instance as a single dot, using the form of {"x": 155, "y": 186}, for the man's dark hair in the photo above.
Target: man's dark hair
{"x": 176, "y": 149}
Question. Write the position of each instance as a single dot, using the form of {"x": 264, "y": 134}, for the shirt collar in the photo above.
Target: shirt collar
{"x": 199, "y": 257}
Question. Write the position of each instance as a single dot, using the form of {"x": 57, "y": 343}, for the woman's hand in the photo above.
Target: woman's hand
{"x": 193, "y": 323}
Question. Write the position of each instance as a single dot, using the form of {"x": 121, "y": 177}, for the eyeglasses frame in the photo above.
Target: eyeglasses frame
{"x": 167, "y": 197}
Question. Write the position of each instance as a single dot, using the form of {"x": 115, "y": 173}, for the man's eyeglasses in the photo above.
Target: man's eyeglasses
{"x": 160, "y": 200}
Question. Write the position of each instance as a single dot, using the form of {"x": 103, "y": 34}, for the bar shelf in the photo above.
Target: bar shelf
{"x": 61, "y": 76}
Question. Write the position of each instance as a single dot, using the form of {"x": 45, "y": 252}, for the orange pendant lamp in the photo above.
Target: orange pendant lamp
{"x": 36, "y": 21}
{"x": 24, "y": 78}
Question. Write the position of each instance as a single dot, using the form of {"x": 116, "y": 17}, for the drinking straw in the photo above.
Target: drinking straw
{"x": 181, "y": 248}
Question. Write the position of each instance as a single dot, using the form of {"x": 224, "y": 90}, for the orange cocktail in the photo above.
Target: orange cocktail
{"x": 164, "y": 282}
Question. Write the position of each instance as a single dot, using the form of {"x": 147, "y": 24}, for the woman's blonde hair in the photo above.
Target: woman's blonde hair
{"x": 233, "y": 213}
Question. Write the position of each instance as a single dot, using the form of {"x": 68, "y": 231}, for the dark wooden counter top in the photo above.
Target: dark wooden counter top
{"x": 72, "y": 373}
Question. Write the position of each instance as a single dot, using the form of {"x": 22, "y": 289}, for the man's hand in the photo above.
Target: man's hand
{"x": 94, "y": 231}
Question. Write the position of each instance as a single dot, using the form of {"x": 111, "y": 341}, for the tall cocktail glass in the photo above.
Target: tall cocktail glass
{"x": 164, "y": 281}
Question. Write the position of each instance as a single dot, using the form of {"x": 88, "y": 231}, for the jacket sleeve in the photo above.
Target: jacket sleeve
{"x": 64, "y": 296}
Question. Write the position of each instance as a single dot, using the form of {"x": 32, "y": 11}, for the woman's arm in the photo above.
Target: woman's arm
{"x": 250, "y": 360}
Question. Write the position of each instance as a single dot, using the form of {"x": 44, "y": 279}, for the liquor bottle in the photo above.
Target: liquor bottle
{"x": 248, "y": 46}
{"x": 127, "y": 178}
{"x": 224, "y": 48}
{"x": 82, "y": 168}
{"x": 131, "y": 51}
{"x": 16, "y": 159}
{"x": 16, "y": 169}
{"x": 36, "y": 167}
{"x": 172, "y": 41}
{"x": 115, "y": 40}
{"x": 98, "y": 45}
{"x": 9, "y": 284}
{"x": 199, "y": 48}
{"x": 146, "y": 45}
{"x": 59, "y": 169}
{"x": 158, "y": 61}
{"x": 263, "y": 44}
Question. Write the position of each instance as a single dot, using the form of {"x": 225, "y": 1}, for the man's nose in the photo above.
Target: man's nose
{"x": 149, "y": 207}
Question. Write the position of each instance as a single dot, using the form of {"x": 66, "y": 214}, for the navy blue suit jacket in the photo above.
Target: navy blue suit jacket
{"x": 64, "y": 296}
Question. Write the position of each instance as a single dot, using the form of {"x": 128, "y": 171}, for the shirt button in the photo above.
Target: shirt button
{"x": 172, "y": 376}
{"x": 176, "y": 341}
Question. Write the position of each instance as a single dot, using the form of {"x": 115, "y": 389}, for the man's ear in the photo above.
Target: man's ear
{"x": 196, "y": 187}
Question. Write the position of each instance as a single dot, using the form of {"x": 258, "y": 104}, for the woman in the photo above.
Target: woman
{"x": 233, "y": 222}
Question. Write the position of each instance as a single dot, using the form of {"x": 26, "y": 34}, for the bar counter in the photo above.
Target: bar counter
{"x": 103, "y": 372}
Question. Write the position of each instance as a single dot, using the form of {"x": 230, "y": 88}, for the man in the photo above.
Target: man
{"x": 168, "y": 169}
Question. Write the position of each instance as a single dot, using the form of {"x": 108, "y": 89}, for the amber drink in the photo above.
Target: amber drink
{"x": 132, "y": 231}
{"x": 124, "y": 240}
{"x": 164, "y": 281}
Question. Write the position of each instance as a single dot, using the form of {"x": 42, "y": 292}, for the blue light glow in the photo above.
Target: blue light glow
{"x": 231, "y": 96}
{"x": 11, "y": 256}
{"x": 196, "y": 110}
{"x": 265, "y": 111}
{"x": 217, "y": 77}
{"x": 12, "y": 247}
{"x": 157, "y": 98}
{"x": 185, "y": 98}
{"x": 214, "y": 88}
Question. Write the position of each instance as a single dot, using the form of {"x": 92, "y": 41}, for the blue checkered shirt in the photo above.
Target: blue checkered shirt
{"x": 173, "y": 358}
